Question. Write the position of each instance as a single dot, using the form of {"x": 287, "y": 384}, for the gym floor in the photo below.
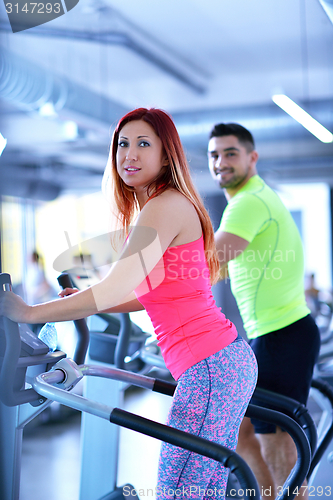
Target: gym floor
{"x": 51, "y": 450}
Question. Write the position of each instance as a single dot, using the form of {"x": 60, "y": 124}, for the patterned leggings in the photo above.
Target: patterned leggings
{"x": 210, "y": 402}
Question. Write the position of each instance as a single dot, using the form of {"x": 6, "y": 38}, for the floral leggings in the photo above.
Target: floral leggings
{"x": 210, "y": 402}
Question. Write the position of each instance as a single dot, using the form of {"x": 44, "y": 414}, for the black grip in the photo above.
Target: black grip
{"x": 164, "y": 387}
{"x": 65, "y": 281}
{"x": 123, "y": 340}
{"x": 326, "y": 390}
{"x": 11, "y": 377}
{"x": 5, "y": 280}
{"x": 80, "y": 325}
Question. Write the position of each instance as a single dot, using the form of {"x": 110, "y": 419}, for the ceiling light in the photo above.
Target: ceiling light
{"x": 3, "y": 143}
{"x": 303, "y": 118}
{"x": 328, "y": 8}
{"x": 47, "y": 110}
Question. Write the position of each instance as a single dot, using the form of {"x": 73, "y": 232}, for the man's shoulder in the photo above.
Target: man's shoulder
{"x": 256, "y": 192}
{"x": 252, "y": 194}
{"x": 253, "y": 205}
{"x": 255, "y": 186}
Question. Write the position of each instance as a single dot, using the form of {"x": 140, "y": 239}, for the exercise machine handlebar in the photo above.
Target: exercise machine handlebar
{"x": 295, "y": 430}
{"x": 291, "y": 407}
{"x": 326, "y": 390}
{"x": 83, "y": 332}
{"x": 217, "y": 452}
{"x": 145, "y": 426}
{"x": 14, "y": 366}
{"x": 300, "y": 470}
{"x": 80, "y": 325}
{"x": 11, "y": 395}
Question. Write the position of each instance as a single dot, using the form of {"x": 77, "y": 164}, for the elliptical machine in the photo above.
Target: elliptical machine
{"x": 15, "y": 341}
{"x": 57, "y": 383}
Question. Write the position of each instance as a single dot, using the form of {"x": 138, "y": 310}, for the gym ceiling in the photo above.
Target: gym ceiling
{"x": 64, "y": 84}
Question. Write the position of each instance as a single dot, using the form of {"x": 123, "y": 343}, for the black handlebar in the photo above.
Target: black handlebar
{"x": 84, "y": 337}
{"x": 325, "y": 390}
{"x": 12, "y": 395}
{"x": 300, "y": 470}
{"x": 226, "y": 457}
{"x": 290, "y": 407}
{"x": 304, "y": 453}
{"x": 123, "y": 340}
{"x": 80, "y": 325}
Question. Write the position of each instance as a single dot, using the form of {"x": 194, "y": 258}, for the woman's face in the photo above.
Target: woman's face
{"x": 140, "y": 156}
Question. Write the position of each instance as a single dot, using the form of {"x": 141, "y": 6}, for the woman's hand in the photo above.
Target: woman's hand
{"x": 68, "y": 291}
{"x": 14, "y": 308}
{"x": 77, "y": 305}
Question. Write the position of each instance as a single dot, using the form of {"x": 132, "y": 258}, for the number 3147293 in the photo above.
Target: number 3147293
{"x": 33, "y": 8}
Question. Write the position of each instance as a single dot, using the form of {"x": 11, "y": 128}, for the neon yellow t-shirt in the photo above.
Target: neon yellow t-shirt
{"x": 267, "y": 278}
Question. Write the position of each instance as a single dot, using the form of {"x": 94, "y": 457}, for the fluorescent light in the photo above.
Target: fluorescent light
{"x": 3, "y": 143}
{"x": 47, "y": 110}
{"x": 303, "y": 118}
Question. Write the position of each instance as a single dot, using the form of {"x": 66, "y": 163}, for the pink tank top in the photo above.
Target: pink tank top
{"x": 188, "y": 324}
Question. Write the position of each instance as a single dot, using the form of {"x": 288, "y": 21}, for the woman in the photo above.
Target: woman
{"x": 167, "y": 267}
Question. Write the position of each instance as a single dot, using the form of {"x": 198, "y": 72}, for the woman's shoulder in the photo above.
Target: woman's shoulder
{"x": 173, "y": 216}
{"x": 172, "y": 198}
{"x": 170, "y": 206}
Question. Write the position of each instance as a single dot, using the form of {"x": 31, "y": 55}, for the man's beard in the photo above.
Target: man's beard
{"x": 233, "y": 182}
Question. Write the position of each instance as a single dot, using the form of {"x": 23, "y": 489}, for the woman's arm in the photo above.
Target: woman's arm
{"x": 128, "y": 307}
{"x": 159, "y": 222}
{"x": 76, "y": 306}
{"x": 132, "y": 305}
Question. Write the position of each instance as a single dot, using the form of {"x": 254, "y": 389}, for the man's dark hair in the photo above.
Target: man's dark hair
{"x": 243, "y": 135}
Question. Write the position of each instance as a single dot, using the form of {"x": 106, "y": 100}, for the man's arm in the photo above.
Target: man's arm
{"x": 228, "y": 246}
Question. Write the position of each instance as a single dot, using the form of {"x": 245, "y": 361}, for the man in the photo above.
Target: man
{"x": 260, "y": 243}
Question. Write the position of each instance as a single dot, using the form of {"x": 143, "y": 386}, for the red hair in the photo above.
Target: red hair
{"x": 176, "y": 176}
